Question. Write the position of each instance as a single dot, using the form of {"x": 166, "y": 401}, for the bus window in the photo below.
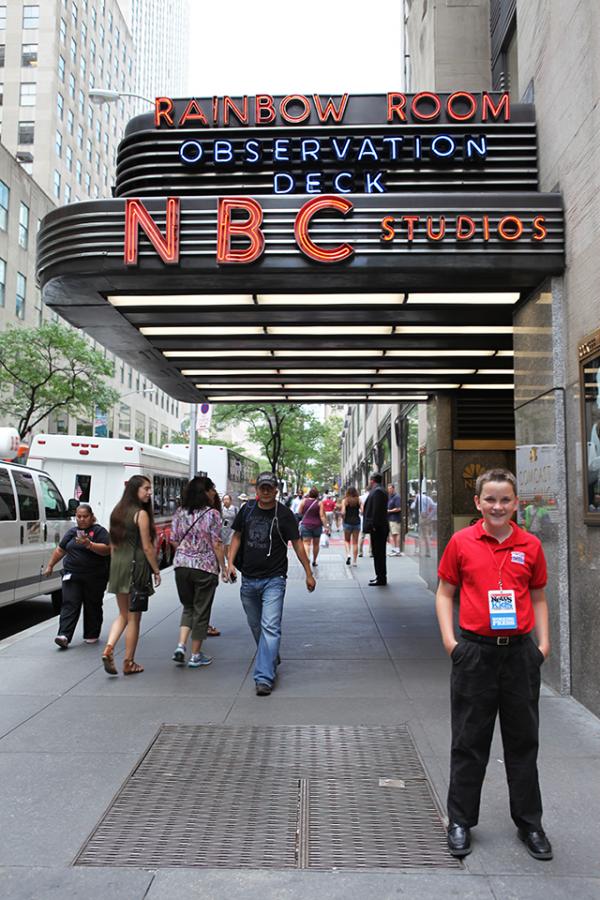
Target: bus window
{"x": 28, "y": 502}
{"x": 53, "y": 502}
{"x": 8, "y": 507}
{"x": 83, "y": 487}
{"x": 158, "y": 495}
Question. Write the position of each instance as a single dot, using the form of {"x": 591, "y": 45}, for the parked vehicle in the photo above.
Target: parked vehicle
{"x": 33, "y": 519}
{"x": 95, "y": 471}
{"x": 231, "y": 472}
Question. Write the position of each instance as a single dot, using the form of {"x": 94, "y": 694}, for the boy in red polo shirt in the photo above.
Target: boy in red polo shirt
{"x": 501, "y": 572}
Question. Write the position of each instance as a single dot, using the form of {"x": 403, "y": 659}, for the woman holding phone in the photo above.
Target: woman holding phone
{"x": 85, "y": 551}
{"x": 132, "y": 535}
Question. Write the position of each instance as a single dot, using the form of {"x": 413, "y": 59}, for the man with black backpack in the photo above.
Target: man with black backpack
{"x": 261, "y": 531}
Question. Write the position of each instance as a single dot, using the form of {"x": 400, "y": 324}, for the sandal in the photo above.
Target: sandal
{"x": 108, "y": 660}
{"x": 211, "y": 631}
{"x": 130, "y": 667}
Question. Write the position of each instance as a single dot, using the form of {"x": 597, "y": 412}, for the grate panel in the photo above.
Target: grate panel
{"x": 259, "y": 797}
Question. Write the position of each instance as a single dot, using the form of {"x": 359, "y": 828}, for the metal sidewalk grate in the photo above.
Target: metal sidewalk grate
{"x": 258, "y": 797}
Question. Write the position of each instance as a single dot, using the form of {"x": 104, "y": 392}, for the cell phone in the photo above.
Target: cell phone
{"x": 81, "y": 535}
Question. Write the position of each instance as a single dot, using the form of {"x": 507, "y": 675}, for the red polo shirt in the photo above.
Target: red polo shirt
{"x": 472, "y": 560}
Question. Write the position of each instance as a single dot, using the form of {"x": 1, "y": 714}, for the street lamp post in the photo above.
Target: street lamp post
{"x": 98, "y": 95}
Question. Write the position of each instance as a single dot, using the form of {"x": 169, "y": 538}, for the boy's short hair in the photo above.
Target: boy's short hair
{"x": 495, "y": 475}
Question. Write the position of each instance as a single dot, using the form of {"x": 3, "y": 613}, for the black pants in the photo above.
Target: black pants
{"x": 77, "y": 592}
{"x": 489, "y": 680}
{"x": 196, "y": 590}
{"x": 379, "y": 547}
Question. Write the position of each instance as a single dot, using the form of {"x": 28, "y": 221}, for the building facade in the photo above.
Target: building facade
{"x": 546, "y": 53}
{"x": 161, "y": 33}
{"x": 51, "y": 55}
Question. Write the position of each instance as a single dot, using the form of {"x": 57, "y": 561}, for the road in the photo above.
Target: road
{"x": 19, "y": 616}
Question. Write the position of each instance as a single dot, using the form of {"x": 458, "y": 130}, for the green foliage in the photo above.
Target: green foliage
{"x": 47, "y": 369}
{"x": 291, "y": 437}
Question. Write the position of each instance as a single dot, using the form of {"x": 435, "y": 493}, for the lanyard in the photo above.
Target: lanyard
{"x": 500, "y": 567}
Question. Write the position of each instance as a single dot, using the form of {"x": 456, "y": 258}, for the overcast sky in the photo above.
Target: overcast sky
{"x": 281, "y": 47}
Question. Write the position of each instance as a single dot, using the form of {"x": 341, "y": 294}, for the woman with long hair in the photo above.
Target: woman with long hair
{"x": 312, "y": 523}
{"x": 133, "y": 560}
{"x": 351, "y": 513}
{"x": 199, "y": 557}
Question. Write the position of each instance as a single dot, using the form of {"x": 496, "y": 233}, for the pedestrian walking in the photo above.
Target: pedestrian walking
{"x": 312, "y": 522}
{"x": 375, "y": 524}
{"x": 261, "y": 532}
{"x": 85, "y": 554}
{"x": 362, "y": 536}
{"x": 394, "y": 518}
{"x": 196, "y": 533}
{"x": 296, "y": 505}
{"x": 351, "y": 511}
{"x": 133, "y": 563}
{"x": 500, "y": 570}
{"x": 329, "y": 510}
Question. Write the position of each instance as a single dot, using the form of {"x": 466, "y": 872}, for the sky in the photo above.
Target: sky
{"x": 282, "y": 47}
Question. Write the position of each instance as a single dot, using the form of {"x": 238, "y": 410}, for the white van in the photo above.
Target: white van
{"x": 33, "y": 519}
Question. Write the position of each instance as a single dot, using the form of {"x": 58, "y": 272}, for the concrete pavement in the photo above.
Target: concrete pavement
{"x": 70, "y": 735}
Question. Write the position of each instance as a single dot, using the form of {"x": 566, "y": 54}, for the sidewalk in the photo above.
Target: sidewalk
{"x": 70, "y": 735}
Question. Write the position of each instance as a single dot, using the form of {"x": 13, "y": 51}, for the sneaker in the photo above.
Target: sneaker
{"x": 91, "y": 640}
{"x": 61, "y": 641}
{"x": 263, "y": 689}
{"x": 354, "y": 565}
{"x": 347, "y": 560}
{"x": 199, "y": 659}
{"x": 179, "y": 655}
{"x": 360, "y": 554}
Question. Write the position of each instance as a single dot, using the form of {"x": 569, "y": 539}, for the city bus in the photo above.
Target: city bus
{"x": 231, "y": 472}
{"x": 95, "y": 471}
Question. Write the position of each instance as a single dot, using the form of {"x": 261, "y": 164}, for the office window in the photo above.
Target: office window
{"x": 23, "y": 225}
{"x": 1, "y": 93}
{"x": 83, "y": 33}
{"x": 29, "y": 55}
{"x": 80, "y": 136}
{"x": 2, "y": 282}
{"x": 31, "y": 16}
{"x": 73, "y": 50}
{"x": 74, "y": 15}
{"x": 60, "y": 105}
{"x": 94, "y": 17}
{"x": 88, "y": 183}
{"x": 27, "y": 93}
{"x": 91, "y": 82}
{"x": 88, "y": 149}
{"x": 62, "y": 30}
{"x": 58, "y": 143}
{"x": 97, "y": 157}
{"x": 98, "y": 130}
{"x": 67, "y": 193}
{"x": 78, "y": 171}
{"x": 56, "y": 184}
{"x": 71, "y": 86}
{"x": 20, "y": 295}
{"x": 69, "y": 158}
{"x": 61, "y": 67}
{"x": 4, "y": 201}
{"x": 81, "y": 102}
{"x": 2, "y": 55}
{"x": 90, "y": 116}
{"x": 101, "y": 34}
{"x": 82, "y": 67}
{"x": 117, "y": 38}
{"x": 70, "y": 121}
{"x": 129, "y": 378}
{"x": 25, "y": 132}
{"x": 39, "y": 307}
{"x": 110, "y": 21}
{"x": 92, "y": 51}
{"x": 2, "y": 17}
{"x": 140, "y": 426}
{"x": 124, "y": 421}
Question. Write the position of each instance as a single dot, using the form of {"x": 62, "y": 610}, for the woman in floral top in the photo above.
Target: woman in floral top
{"x": 196, "y": 533}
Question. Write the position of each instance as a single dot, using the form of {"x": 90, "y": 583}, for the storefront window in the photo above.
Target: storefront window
{"x": 124, "y": 421}
{"x": 590, "y": 414}
{"x": 140, "y": 427}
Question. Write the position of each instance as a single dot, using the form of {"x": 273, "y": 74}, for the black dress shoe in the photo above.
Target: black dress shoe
{"x": 263, "y": 689}
{"x": 375, "y": 583}
{"x": 537, "y": 843}
{"x": 459, "y": 839}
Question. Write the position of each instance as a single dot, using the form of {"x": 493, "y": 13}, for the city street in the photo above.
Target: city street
{"x": 352, "y": 656}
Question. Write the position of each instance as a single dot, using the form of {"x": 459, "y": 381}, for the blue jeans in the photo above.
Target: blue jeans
{"x": 262, "y": 599}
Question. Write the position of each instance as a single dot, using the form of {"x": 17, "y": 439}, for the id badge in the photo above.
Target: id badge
{"x": 503, "y": 610}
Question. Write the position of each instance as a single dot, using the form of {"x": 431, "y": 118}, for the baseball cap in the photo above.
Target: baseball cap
{"x": 269, "y": 478}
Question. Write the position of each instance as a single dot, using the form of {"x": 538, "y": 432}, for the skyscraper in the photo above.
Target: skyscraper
{"x": 160, "y": 31}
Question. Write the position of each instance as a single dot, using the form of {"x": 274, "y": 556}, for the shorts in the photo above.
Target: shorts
{"x": 395, "y": 528}
{"x": 306, "y": 533}
{"x": 351, "y": 528}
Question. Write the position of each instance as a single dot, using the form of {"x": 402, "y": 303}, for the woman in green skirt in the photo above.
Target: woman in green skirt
{"x": 132, "y": 535}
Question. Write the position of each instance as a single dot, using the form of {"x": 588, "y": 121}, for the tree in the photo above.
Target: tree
{"x": 327, "y": 466}
{"x": 47, "y": 369}
{"x": 277, "y": 428}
